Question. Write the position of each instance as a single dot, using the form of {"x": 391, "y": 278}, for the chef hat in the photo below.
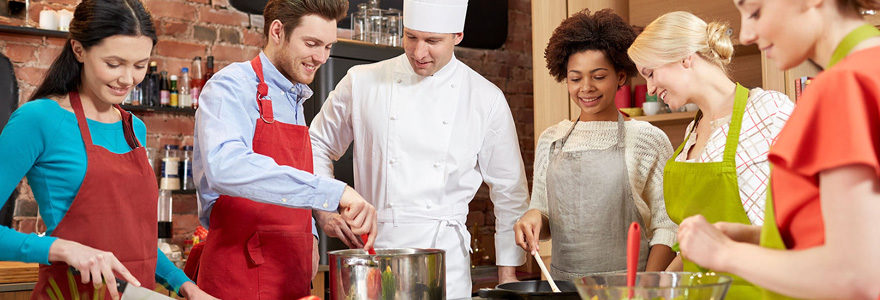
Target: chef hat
{"x": 437, "y": 16}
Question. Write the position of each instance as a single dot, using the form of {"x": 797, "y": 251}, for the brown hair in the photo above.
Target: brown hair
{"x": 603, "y": 31}
{"x": 859, "y": 5}
{"x": 290, "y": 12}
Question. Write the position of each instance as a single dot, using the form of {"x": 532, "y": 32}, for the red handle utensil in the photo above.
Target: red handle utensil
{"x": 371, "y": 250}
{"x": 632, "y": 256}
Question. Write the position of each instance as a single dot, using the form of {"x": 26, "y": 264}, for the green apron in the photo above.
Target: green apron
{"x": 770, "y": 236}
{"x": 710, "y": 189}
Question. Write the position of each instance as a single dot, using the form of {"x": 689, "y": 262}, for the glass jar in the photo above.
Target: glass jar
{"x": 170, "y": 176}
{"x": 186, "y": 175}
{"x": 393, "y": 28}
{"x": 359, "y": 28}
{"x": 165, "y": 203}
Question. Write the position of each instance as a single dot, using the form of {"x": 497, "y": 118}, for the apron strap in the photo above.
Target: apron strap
{"x": 739, "y": 108}
{"x": 851, "y": 40}
{"x": 128, "y": 128}
{"x": 76, "y": 103}
{"x": 264, "y": 102}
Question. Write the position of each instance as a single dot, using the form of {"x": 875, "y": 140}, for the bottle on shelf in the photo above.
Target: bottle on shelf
{"x": 186, "y": 175}
{"x": 151, "y": 86}
{"x": 173, "y": 101}
{"x": 183, "y": 98}
{"x": 165, "y": 204}
{"x": 136, "y": 95}
{"x": 164, "y": 90}
{"x": 209, "y": 68}
{"x": 170, "y": 169}
{"x": 197, "y": 83}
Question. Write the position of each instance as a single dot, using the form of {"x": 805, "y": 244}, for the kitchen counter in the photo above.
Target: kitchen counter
{"x": 18, "y": 272}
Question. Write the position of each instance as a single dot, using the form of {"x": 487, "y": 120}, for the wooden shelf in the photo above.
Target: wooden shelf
{"x": 33, "y": 31}
{"x": 160, "y": 109}
{"x": 670, "y": 117}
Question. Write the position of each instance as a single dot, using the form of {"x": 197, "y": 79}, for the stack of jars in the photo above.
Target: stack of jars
{"x": 372, "y": 24}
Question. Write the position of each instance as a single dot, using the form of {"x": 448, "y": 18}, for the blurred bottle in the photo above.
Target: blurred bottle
{"x": 164, "y": 89}
{"x": 198, "y": 82}
{"x": 151, "y": 86}
{"x": 209, "y": 68}
{"x": 165, "y": 204}
{"x": 184, "y": 99}
{"x": 186, "y": 176}
{"x": 136, "y": 95}
{"x": 170, "y": 169}
{"x": 173, "y": 90}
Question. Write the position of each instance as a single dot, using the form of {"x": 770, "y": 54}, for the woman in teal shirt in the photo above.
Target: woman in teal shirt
{"x": 58, "y": 140}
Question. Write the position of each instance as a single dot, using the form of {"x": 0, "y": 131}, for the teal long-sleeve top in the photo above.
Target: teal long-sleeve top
{"x": 42, "y": 141}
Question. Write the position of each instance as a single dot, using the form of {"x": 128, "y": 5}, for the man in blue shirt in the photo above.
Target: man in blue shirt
{"x": 253, "y": 161}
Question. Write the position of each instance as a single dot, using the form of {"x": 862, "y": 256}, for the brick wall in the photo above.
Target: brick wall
{"x": 189, "y": 28}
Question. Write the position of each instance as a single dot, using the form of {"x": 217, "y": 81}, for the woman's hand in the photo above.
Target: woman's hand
{"x": 740, "y": 232}
{"x": 191, "y": 291}
{"x": 703, "y": 243}
{"x": 528, "y": 230}
{"x": 94, "y": 265}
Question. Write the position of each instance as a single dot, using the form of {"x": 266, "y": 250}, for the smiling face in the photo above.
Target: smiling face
{"x": 592, "y": 84}
{"x": 114, "y": 66}
{"x": 306, "y": 49}
{"x": 785, "y": 30}
{"x": 671, "y": 82}
{"x": 429, "y": 52}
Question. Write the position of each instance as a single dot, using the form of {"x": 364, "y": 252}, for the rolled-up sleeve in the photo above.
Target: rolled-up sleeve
{"x": 502, "y": 169}
{"x": 224, "y": 161}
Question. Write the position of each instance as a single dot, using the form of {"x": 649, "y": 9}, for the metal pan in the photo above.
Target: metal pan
{"x": 531, "y": 289}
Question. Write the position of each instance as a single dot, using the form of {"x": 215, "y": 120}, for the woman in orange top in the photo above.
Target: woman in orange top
{"x": 825, "y": 174}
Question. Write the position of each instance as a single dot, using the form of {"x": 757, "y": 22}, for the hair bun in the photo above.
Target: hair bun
{"x": 720, "y": 41}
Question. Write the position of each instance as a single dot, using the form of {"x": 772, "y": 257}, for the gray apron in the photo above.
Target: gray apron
{"x": 591, "y": 207}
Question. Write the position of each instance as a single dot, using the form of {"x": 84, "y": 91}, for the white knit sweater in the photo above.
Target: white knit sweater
{"x": 647, "y": 149}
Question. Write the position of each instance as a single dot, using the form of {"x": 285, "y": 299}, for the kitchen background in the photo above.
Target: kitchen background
{"x": 190, "y": 28}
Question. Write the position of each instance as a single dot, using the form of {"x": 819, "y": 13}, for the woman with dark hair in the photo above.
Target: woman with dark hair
{"x": 820, "y": 237}
{"x": 597, "y": 174}
{"x": 83, "y": 159}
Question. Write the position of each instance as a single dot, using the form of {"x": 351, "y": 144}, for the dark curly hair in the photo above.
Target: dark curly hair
{"x": 603, "y": 30}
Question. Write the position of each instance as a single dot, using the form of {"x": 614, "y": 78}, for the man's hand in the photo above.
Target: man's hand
{"x": 506, "y": 274}
{"x": 359, "y": 214}
{"x": 334, "y": 226}
{"x": 316, "y": 258}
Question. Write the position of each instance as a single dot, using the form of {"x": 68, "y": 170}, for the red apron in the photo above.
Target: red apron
{"x": 114, "y": 210}
{"x": 256, "y": 250}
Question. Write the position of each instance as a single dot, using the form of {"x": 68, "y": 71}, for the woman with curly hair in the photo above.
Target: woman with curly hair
{"x": 720, "y": 170}
{"x": 597, "y": 174}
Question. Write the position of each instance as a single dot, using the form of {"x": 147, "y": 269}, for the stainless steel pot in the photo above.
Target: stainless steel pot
{"x": 389, "y": 274}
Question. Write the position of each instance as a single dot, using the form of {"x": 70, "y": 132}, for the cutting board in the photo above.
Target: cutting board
{"x": 17, "y": 272}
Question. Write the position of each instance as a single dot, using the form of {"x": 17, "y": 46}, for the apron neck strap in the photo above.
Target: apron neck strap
{"x": 76, "y": 103}
{"x": 264, "y": 103}
{"x": 621, "y": 133}
{"x": 127, "y": 128}
{"x": 739, "y": 108}
{"x": 851, "y": 40}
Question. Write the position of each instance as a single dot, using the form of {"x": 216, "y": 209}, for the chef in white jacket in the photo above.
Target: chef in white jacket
{"x": 427, "y": 131}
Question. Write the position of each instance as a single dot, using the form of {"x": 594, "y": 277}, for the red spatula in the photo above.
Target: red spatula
{"x": 371, "y": 250}
{"x": 632, "y": 256}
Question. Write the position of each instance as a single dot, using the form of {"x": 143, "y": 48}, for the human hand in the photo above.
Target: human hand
{"x": 703, "y": 243}
{"x": 334, "y": 226}
{"x": 359, "y": 214}
{"x": 743, "y": 233}
{"x": 190, "y": 291}
{"x": 94, "y": 265}
{"x": 527, "y": 230}
{"x": 316, "y": 258}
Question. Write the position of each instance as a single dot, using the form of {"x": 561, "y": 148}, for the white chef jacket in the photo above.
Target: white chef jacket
{"x": 423, "y": 145}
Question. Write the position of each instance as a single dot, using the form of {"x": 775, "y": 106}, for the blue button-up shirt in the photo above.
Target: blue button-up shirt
{"x": 224, "y": 161}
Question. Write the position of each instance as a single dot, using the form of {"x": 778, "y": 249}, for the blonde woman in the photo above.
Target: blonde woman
{"x": 721, "y": 169}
